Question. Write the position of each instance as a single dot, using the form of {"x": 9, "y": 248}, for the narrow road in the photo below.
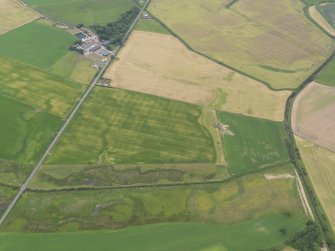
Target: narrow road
{"x": 67, "y": 122}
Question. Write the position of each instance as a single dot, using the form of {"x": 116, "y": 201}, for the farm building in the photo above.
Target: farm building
{"x": 90, "y": 47}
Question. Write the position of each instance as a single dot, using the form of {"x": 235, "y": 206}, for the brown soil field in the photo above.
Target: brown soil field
{"x": 161, "y": 65}
{"x": 317, "y": 17}
{"x": 313, "y": 115}
{"x": 13, "y": 15}
{"x": 320, "y": 165}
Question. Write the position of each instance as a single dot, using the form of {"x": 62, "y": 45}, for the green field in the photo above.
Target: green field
{"x": 86, "y": 12}
{"x": 116, "y": 126}
{"x": 256, "y": 234}
{"x": 327, "y": 75}
{"x": 32, "y": 106}
{"x": 259, "y": 39}
{"x": 327, "y": 10}
{"x": 76, "y": 67}
{"x": 151, "y": 25}
{"x": 234, "y": 201}
{"x": 6, "y": 195}
{"x": 315, "y": 2}
{"x": 38, "y": 44}
{"x": 255, "y": 143}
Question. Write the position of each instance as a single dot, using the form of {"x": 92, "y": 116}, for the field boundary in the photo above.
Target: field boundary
{"x": 67, "y": 122}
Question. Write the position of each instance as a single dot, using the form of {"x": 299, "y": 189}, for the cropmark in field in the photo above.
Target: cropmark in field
{"x": 116, "y": 126}
{"x": 161, "y": 65}
{"x": 250, "y": 143}
{"x": 33, "y": 104}
{"x": 270, "y": 40}
{"x": 313, "y": 115}
{"x": 13, "y": 15}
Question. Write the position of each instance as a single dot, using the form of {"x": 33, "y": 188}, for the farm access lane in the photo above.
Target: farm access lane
{"x": 69, "y": 119}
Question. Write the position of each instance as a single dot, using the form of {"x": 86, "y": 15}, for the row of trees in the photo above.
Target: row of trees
{"x": 115, "y": 31}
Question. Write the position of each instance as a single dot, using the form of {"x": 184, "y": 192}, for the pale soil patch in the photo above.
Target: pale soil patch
{"x": 278, "y": 176}
{"x": 317, "y": 17}
{"x": 161, "y": 65}
{"x": 320, "y": 165}
{"x": 13, "y": 15}
{"x": 313, "y": 115}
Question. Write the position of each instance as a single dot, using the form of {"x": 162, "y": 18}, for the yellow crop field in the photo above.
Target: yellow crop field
{"x": 13, "y": 15}
{"x": 320, "y": 164}
{"x": 161, "y": 65}
{"x": 270, "y": 40}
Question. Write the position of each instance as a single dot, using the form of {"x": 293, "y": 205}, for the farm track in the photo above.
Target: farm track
{"x": 68, "y": 121}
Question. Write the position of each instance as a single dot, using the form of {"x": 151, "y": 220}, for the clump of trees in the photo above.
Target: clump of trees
{"x": 308, "y": 239}
{"x": 115, "y": 31}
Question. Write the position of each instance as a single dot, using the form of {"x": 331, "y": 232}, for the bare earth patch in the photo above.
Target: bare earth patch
{"x": 317, "y": 17}
{"x": 313, "y": 115}
{"x": 278, "y": 176}
{"x": 14, "y": 15}
{"x": 161, "y": 65}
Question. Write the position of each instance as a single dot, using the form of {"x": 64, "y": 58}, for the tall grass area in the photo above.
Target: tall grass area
{"x": 32, "y": 106}
{"x": 116, "y": 126}
{"x": 254, "y": 144}
{"x": 37, "y": 43}
{"x": 234, "y": 201}
{"x": 87, "y": 12}
{"x": 257, "y": 234}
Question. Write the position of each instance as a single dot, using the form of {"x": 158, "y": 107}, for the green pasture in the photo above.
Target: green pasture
{"x": 37, "y": 43}
{"x": 87, "y": 12}
{"x": 256, "y": 234}
{"x": 76, "y": 67}
{"x": 61, "y": 176}
{"x": 151, "y": 25}
{"x": 230, "y": 202}
{"x": 327, "y": 75}
{"x": 315, "y": 2}
{"x": 327, "y": 10}
{"x": 116, "y": 126}
{"x": 32, "y": 106}
{"x": 255, "y": 143}
{"x": 259, "y": 39}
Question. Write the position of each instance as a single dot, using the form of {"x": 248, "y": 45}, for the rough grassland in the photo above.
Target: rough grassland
{"x": 38, "y": 44}
{"x": 271, "y": 40}
{"x": 316, "y": 15}
{"x": 33, "y": 104}
{"x": 238, "y": 200}
{"x": 313, "y": 115}
{"x": 75, "y": 67}
{"x": 327, "y": 75}
{"x": 116, "y": 126}
{"x": 255, "y": 143}
{"x": 161, "y": 65}
{"x": 65, "y": 176}
{"x": 6, "y": 195}
{"x": 320, "y": 164}
{"x": 328, "y": 12}
{"x": 87, "y": 12}
{"x": 257, "y": 234}
{"x": 13, "y": 15}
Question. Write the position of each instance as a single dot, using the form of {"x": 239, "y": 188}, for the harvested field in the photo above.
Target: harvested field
{"x": 161, "y": 65}
{"x": 253, "y": 143}
{"x": 270, "y": 40}
{"x": 13, "y": 15}
{"x": 313, "y": 115}
{"x": 316, "y": 15}
{"x": 121, "y": 127}
{"x": 39, "y": 44}
{"x": 245, "y": 198}
{"x": 320, "y": 165}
